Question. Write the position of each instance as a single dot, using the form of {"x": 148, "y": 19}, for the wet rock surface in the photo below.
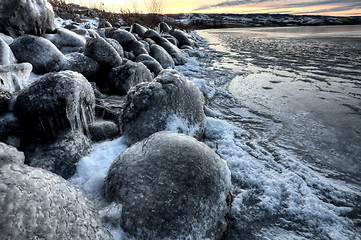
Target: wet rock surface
{"x": 170, "y": 186}
{"x": 45, "y": 205}
{"x": 170, "y": 101}
{"x": 56, "y": 102}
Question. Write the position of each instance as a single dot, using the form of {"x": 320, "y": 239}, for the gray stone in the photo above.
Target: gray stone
{"x": 125, "y": 38}
{"x": 5, "y": 97}
{"x": 138, "y": 29}
{"x": 124, "y": 77}
{"x": 152, "y": 64}
{"x": 102, "y": 130}
{"x": 171, "y": 187}
{"x": 104, "y": 24}
{"x": 56, "y": 102}
{"x": 164, "y": 28}
{"x": 177, "y": 55}
{"x": 162, "y": 56}
{"x": 169, "y": 102}
{"x": 6, "y": 55}
{"x": 171, "y": 39}
{"x": 9, "y": 154}
{"x": 40, "y": 52}
{"x": 102, "y": 52}
{"x": 80, "y": 63}
{"x": 116, "y": 45}
{"x": 182, "y": 37}
{"x": 7, "y": 39}
{"x": 152, "y": 35}
{"x": 15, "y": 77}
{"x": 66, "y": 41}
{"x": 37, "y": 204}
{"x": 61, "y": 155}
{"x": 19, "y": 17}
{"x": 138, "y": 48}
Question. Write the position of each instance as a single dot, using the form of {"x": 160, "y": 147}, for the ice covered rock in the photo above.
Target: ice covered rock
{"x": 169, "y": 102}
{"x": 61, "y": 155}
{"x": 56, "y": 102}
{"x": 138, "y": 29}
{"x": 152, "y": 64}
{"x": 150, "y": 33}
{"x": 182, "y": 37}
{"x": 37, "y": 204}
{"x": 10, "y": 131}
{"x": 171, "y": 187}
{"x": 66, "y": 41}
{"x": 19, "y": 17}
{"x": 80, "y": 63}
{"x": 5, "y": 97}
{"x": 162, "y": 56}
{"x": 125, "y": 38}
{"x": 7, "y": 39}
{"x": 9, "y": 154}
{"x": 110, "y": 107}
{"x": 40, "y": 52}
{"x": 174, "y": 51}
{"x": 6, "y": 55}
{"x": 124, "y": 77}
{"x": 15, "y": 77}
{"x": 138, "y": 48}
{"x": 101, "y": 130}
{"x": 116, "y": 45}
{"x": 164, "y": 28}
{"x": 171, "y": 39}
{"x": 102, "y": 52}
{"x": 104, "y": 24}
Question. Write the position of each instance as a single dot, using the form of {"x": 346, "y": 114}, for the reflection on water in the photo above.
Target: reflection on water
{"x": 311, "y": 85}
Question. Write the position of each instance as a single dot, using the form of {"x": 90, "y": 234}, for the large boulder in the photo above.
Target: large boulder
{"x": 19, "y": 17}
{"x": 56, "y": 102}
{"x": 162, "y": 56}
{"x": 40, "y": 52}
{"x": 125, "y": 38}
{"x": 164, "y": 28}
{"x": 152, "y": 34}
{"x": 6, "y": 55}
{"x": 171, "y": 187}
{"x": 116, "y": 45}
{"x": 138, "y": 29}
{"x": 138, "y": 48}
{"x": 182, "y": 37}
{"x": 15, "y": 77}
{"x": 80, "y": 63}
{"x": 169, "y": 102}
{"x": 152, "y": 64}
{"x": 124, "y": 77}
{"x": 102, "y": 52}
{"x": 66, "y": 41}
{"x": 9, "y": 154}
{"x": 61, "y": 155}
{"x": 177, "y": 55}
{"x": 37, "y": 204}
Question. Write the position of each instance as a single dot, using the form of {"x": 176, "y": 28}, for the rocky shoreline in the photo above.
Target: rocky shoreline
{"x": 95, "y": 85}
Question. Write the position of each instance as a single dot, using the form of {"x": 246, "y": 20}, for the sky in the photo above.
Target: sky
{"x": 309, "y": 7}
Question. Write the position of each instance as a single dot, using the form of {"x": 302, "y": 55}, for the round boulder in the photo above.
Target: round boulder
{"x": 169, "y": 102}
{"x": 67, "y": 41}
{"x": 154, "y": 35}
{"x": 162, "y": 56}
{"x": 40, "y": 52}
{"x": 9, "y": 154}
{"x": 182, "y": 37}
{"x": 125, "y": 38}
{"x": 164, "y": 28}
{"x": 56, "y": 102}
{"x": 177, "y": 55}
{"x": 80, "y": 63}
{"x": 152, "y": 64}
{"x": 102, "y": 52}
{"x": 124, "y": 77}
{"x": 19, "y": 17}
{"x": 171, "y": 187}
{"x": 138, "y": 29}
{"x": 37, "y": 204}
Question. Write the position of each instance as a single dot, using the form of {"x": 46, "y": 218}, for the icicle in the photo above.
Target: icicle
{"x": 84, "y": 120}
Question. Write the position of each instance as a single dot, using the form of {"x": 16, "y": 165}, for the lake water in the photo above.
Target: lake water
{"x": 295, "y": 93}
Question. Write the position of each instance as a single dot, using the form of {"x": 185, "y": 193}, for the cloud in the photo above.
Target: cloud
{"x": 344, "y": 5}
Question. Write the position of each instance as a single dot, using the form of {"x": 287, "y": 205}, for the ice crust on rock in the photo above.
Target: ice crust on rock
{"x": 6, "y": 55}
{"x": 177, "y": 55}
{"x": 15, "y": 77}
{"x": 9, "y": 154}
{"x": 152, "y": 64}
{"x": 162, "y": 56}
{"x": 124, "y": 77}
{"x": 171, "y": 187}
{"x": 40, "y": 52}
{"x": 55, "y": 102}
{"x": 149, "y": 106}
{"x": 19, "y": 17}
{"x": 66, "y": 41}
{"x": 80, "y": 63}
{"x": 37, "y": 204}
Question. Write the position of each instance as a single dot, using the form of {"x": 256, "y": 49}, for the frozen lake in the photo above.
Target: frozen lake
{"x": 308, "y": 79}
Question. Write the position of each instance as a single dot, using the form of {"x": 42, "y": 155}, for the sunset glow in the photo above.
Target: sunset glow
{"x": 310, "y": 7}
